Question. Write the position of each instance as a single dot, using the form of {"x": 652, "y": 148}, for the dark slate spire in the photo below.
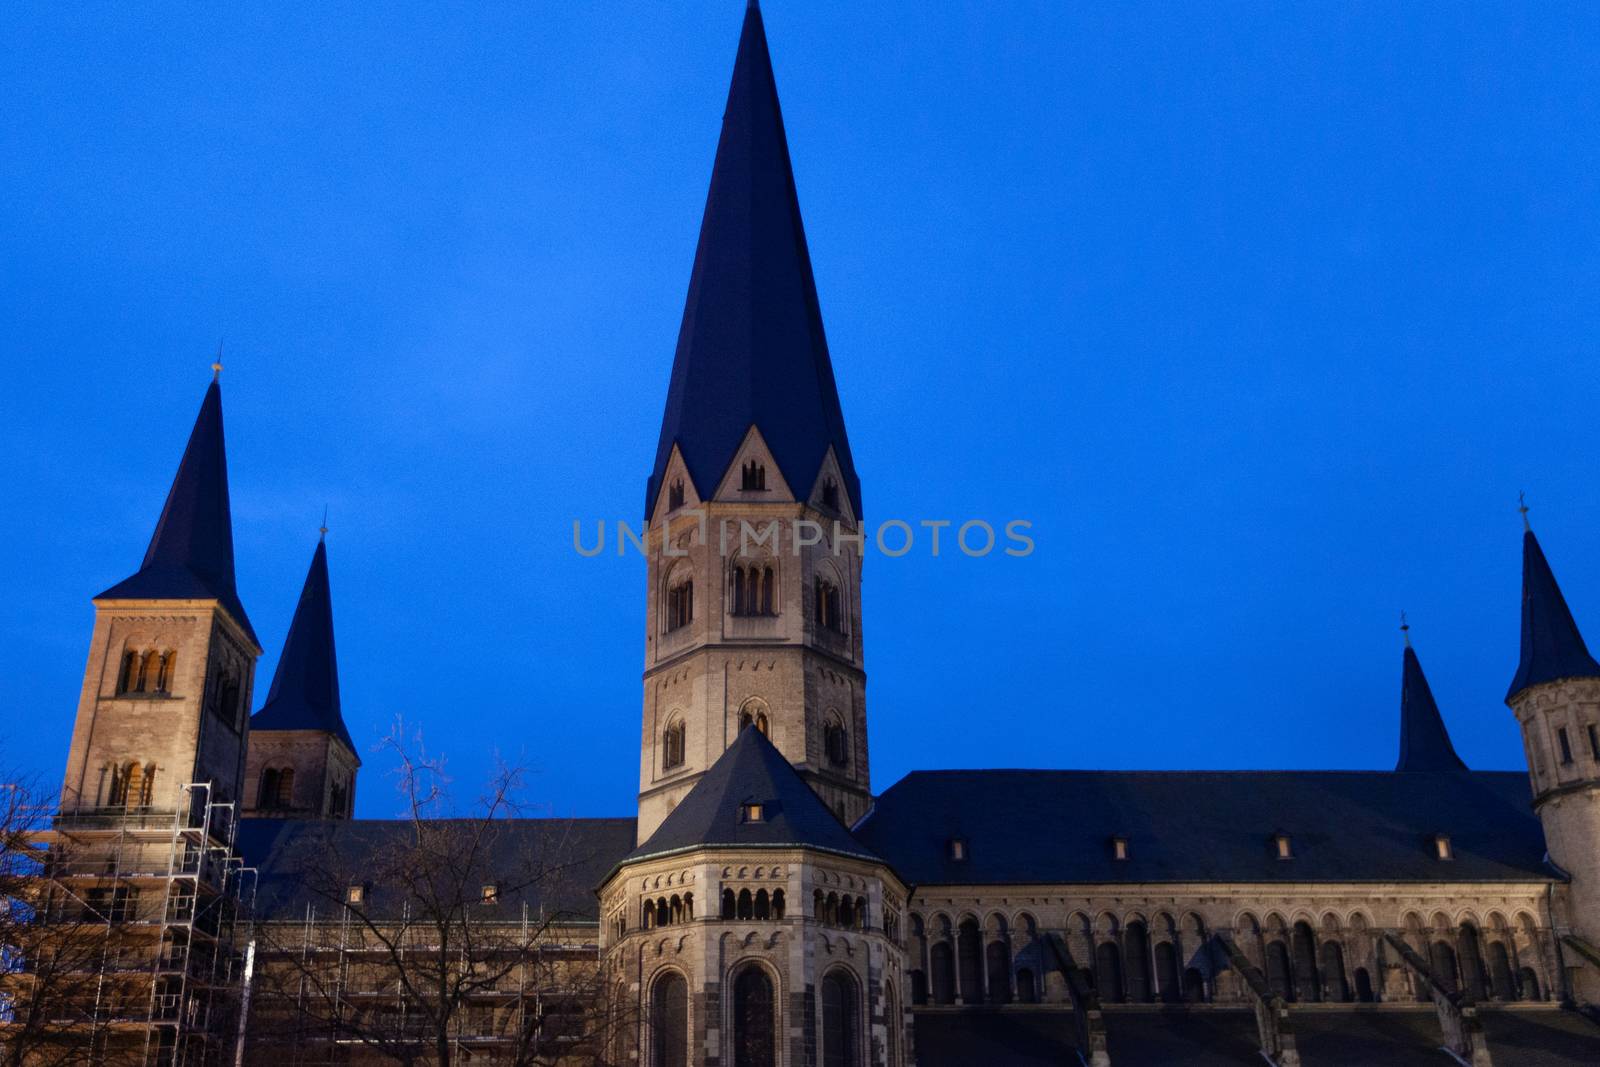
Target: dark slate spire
{"x": 191, "y": 555}
{"x": 751, "y": 350}
{"x": 305, "y": 687}
{"x": 751, "y": 771}
{"x": 1424, "y": 742}
{"x": 1552, "y": 647}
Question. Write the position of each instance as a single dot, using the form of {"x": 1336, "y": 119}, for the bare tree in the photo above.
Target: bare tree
{"x": 451, "y": 933}
{"x": 61, "y": 947}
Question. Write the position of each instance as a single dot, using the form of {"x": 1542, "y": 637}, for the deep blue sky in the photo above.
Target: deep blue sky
{"x": 1261, "y": 313}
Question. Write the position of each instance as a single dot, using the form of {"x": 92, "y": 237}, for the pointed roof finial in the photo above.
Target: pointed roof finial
{"x": 323, "y": 529}
{"x": 1405, "y": 628}
{"x": 1522, "y": 506}
{"x": 216, "y": 365}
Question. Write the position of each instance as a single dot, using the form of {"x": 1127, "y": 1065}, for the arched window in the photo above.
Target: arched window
{"x": 841, "y": 1021}
{"x": 753, "y": 477}
{"x": 1529, "y": 983}
{"x": 1443, "y": 960}
{"x": 680, "y": 603}
{"x": 1136, "y": 947}
{"x": 169, "y": 664}
{"x": 1333, "y": 971}
{"x": 754, "y": 714}
{"x": 267, "y": 795}
{"x": 1108, "y": 972}
{"x": 763, "y": 905}
{"x": 755, "y": 1019}
{"x": 1278, "y": 970}
{"x": 1194, "y": 986}
{"x": 738, "y": 590}
{"x": 672, "y": 745}
{"x": 132, "y": 793}
{"x": 1167, "y": 981}
{"x": 128, "y": 676}
{"x": 829, "y": 610}
{"x": 1027, "y": 991}
{"x": 1364, "y": 990}
{"x": 767, "y": 600}
{"x": 998, "y": 958}
{"x": 1473, "y": 979}
{"x": 1500, "y": 980}
{"x": 834, "y": 743}
{"x": 941, "y": 963}
{"x": 669, "y": 1022}
{"x": 777, "y": 903}
{"x": 285, "y": 798}
{"x": 747, "y": 905}
{"x": 830, "y": 494}
{"x": 969, "y": 960}
{"x": 892, "y": 1023}
{"x": 1307, "y": 984}
{"x": 150, "y": 672}
{"x": 675, "y": 495}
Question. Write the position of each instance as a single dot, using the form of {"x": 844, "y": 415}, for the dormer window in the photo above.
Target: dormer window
{"x": 1441, "y": 847}
{"x": 490, "y": 894}
{"x": 958, "y": 849}
{"x": 1281, "y": 846}
{"x": 753, "y": 477}
{"x": 1119, "y": 847}
{"x": 830, "y": 494}
{"x": 675, "y": 495}
{"x": 356, "y": 894}
{"x": 752, "y": 811}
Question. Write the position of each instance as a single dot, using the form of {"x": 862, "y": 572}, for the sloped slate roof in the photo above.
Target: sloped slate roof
{"x": 305, "y": 687}
{"x": 300, "y": 862}
{"x": 751, "y": 350}
{"x": 1206, "y": 826}
{"x": 1552, "y": 647}
{"x": 191, "y": 553}
{"x": 751, "y": 771}
{"x": 1424, "y": 741}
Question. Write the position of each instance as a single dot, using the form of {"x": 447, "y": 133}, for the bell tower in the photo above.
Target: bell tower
{"x": 1556, "y": 698}
{"x": 166, "y": 694}
{"x": 754, "y": 508}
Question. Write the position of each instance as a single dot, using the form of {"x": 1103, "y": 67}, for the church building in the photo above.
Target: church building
{"x": 766, "y": 906}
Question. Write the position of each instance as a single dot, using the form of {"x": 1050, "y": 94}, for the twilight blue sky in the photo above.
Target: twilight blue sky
{"x": 1261, "y": 313}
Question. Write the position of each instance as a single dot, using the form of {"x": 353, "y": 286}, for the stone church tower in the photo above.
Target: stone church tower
{"x": 754, "y": 606}
{"x": 166, "y": 694}
{"x": 302, "y": 763}
{"x": 1556, "y": 697}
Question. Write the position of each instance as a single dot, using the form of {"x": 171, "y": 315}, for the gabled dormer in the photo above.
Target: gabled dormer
{"x": 754, "y": 477}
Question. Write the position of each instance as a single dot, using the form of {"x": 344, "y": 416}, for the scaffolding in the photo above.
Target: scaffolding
{"x": 164, "y": 892}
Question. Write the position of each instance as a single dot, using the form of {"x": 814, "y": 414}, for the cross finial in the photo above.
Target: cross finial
{"x": 1405, "y": 629}
{"x": 216, "y": 367}
{"x": 323, "y": 529}
{"x": 1522, "y": 506}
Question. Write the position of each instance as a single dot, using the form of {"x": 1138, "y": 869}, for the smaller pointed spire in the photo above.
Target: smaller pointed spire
{"x": 305, "y": 687}
{"x": 1424, "y": 741}
{"x": 191, "y": 552}
{"x": 1552, "y": 647}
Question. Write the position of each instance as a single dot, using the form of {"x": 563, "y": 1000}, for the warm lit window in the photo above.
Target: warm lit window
{"x": 1441, "y": 847}
{"x": 1119, "y": 848}
{"x": 751, "y": 812}
{"x": 356, "y": 894}
{"x": 1281, "y": 846}
{"x": 490, "y": 894}
{"x": 752, "y": 715}
{"x": 958, "y": 848}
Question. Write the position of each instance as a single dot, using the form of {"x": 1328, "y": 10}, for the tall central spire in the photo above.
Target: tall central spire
{"x": 191, "y": 553}
{"x": 751, "y": 350}
{"x": 305, "y": 687}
